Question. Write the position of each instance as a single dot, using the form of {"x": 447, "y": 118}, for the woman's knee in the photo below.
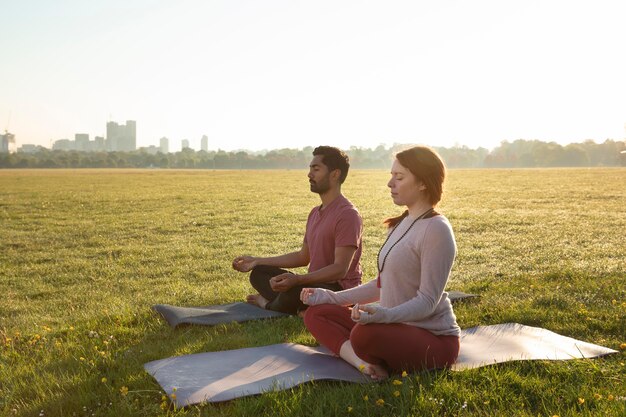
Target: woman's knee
{"x": 363, "y": 337}
{"x": 313, "y": 313}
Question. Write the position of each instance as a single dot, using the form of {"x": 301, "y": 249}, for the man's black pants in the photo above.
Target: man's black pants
{"x": 285, "y": 302}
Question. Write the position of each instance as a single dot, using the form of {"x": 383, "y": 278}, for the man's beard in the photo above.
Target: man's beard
{"x": 320, "y": 187}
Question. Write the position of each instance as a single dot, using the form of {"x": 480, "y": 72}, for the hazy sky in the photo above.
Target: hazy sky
{"x": 264, "y": 74}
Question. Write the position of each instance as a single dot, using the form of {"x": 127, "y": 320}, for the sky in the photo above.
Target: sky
{"x": 271, "y": 74}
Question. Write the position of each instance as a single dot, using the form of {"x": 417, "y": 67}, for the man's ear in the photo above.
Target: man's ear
{"x": 335, "y": 174}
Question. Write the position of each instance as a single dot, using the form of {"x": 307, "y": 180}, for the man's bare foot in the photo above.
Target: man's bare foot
{"x": 257, "y": 300}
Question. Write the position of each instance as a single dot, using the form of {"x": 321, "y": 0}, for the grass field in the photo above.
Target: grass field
{"x": 85, "y": 253}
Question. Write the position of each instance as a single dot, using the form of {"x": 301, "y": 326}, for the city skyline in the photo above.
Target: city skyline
{"x": 282, "y": 74}
{"x": 82, "y": 142}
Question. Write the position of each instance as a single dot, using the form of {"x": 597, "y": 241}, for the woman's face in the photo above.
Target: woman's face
{"x": 406, "y": 190}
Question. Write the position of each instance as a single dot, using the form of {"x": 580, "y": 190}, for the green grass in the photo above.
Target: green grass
{"x": 85, "y": 253}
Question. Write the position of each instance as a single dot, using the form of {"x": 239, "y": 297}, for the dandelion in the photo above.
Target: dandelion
{"x": 404, "y": 374}
{"x": 163, "y": 398}
{"x": 173, "y": 396}
{"x": 610, "y": 397}
{"x": 397, "y": 382}
{"x": 366, "y": 398}
{"x": 380, "y": 402}
{"x": 555, "y": 415}
{"x": 124, "y": 391}
{"x": 622, "y": 346}
{"x": 581, "y": 401}
{"x": 349, "y": 409}
{"x": 163, "y": 405}
{"x": 597, "y": 396}
{"x": 104, "y": 380}
{"x": 81, "y": 358}
{"x": 361, "y": 367}
{"x": 71, "y": 328}
{"x": 396, "y": 393}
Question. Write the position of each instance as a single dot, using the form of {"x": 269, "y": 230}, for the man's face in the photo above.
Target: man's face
{"x": 319, "y": 175}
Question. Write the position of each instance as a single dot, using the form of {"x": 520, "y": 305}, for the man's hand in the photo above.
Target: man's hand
{"x": 283, "y": 282}
{"x": 244, "y": 263}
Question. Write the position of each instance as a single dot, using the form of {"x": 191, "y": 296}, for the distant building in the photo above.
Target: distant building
{"x": 63, "y": 145}
{"x": 121, "y": 137}
{"x": 98, "y": 144}
{"x": 28, "y": 148}
{"x": 185, "y": 144}
{"x": 81, "y": 142}
{"x": 165, "y": 145}
{"x": 204, "y": 143}
{"x": 7, "y": 143}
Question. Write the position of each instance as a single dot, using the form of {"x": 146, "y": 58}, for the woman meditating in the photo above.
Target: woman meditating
{"x": 414, "y": 327}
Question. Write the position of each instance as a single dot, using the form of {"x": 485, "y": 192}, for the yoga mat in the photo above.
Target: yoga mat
{"x": 486, "y": 345}
{"x": 227, "y": 313}
{"x": 212, "y": 315}
{"x": 222, "y": 376}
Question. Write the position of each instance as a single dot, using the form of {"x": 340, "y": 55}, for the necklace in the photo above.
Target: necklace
{"x": 380, "y": 268}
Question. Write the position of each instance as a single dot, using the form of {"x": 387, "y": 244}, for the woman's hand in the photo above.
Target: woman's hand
{"x": 315, "y": 296}
{"x": 305, "y": 295}
{"x": 364, "y": 314}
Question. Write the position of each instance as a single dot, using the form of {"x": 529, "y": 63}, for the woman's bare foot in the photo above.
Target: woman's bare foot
{"x": 257, "y": 300}
{"x": 376, "y": 372}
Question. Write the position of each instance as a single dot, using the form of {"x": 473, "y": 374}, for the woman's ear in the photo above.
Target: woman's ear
{"x": 421, "y": 186}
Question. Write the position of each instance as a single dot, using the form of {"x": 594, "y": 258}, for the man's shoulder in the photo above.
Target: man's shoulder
{"x": 345, "y": 204}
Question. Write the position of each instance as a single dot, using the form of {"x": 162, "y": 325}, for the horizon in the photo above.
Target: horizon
{"x": 388, "y": 146}
{"x": 280, "y": 74}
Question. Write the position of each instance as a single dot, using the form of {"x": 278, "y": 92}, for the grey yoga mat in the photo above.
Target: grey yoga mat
{"x": 225, "y": 375}
{"x": 226, "y": 313}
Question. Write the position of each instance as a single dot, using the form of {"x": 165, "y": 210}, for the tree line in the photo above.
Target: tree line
{"x": 517, "y": 154}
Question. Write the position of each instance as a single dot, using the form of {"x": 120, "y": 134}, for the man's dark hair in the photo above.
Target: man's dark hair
{"x": 334, "y": 158}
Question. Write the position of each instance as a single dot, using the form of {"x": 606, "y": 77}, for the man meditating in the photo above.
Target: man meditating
{"x": 331, "y": 246}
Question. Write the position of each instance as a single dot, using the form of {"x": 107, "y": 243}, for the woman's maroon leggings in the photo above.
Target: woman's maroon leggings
{"x": 399, "y": 347}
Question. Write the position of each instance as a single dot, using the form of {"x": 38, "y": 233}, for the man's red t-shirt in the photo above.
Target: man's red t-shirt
{"x": 337, "y": 225}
